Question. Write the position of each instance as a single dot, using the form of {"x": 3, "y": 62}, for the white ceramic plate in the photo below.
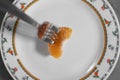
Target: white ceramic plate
{"x": 90, "y": 54}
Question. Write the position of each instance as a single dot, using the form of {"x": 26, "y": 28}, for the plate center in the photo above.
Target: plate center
{"x": 80, "y": 52}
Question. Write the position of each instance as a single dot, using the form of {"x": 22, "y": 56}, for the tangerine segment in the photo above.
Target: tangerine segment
{"x": 56, "y": 48}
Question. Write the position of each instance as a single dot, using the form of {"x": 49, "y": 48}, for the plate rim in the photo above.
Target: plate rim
{"x": 115, "y": 19}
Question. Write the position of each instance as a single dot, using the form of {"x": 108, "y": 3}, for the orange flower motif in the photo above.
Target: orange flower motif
{"x": 107, "y": 22}
{"x": 15, "y": 69}
{"x": 96, "y": 74}
{"x": 103, "y": 8}
{"x": 22, "y": 5}
{"x": 10, "y": 51}
{"x": 108, "y": 60}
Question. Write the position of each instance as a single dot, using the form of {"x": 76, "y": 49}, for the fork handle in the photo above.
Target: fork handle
{"x": 5, "y": 6}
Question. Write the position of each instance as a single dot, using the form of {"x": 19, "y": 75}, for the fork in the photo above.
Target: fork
{"x": 46, "y": 31}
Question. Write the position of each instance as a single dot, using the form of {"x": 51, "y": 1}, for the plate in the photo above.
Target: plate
{"x": 90, "y": 54}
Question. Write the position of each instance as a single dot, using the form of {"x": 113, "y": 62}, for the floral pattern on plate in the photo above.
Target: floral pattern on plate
{"x": 102, "y": 70}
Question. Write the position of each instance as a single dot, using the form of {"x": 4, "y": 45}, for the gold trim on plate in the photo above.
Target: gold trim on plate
{"x": 105, "y": 40}
{"x": 86, "y": 76}
{"x": 14, "y": 47}
{"x": 31, "y": 75}
{"x": 99, "y": 61}
{"x": 13, "y": 37}
{"x": 16, "y": 24}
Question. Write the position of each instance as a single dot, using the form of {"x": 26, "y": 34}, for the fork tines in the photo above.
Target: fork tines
{"x": 51, "y": 33}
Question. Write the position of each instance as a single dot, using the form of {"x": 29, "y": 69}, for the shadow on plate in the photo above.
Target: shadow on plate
{"x": 27, "y": 32}
{"x": 42, "y": 47}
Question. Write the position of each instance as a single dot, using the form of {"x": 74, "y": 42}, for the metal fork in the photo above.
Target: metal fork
{"x": 46, "y": 31}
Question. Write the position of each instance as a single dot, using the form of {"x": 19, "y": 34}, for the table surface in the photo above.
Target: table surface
{"x": 115, "y": 74}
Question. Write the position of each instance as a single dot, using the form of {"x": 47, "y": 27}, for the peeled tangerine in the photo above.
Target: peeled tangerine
{"x": 56, "y": 48}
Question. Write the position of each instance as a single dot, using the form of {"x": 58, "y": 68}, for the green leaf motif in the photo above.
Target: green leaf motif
{"x": 9, "y": 28}
{"x": 25, "y": 78}
{"x": 105, "y": 6}
{"x": 4, "y": 40}
{"x": 92, "y": 0}
{"x": 115, "y": 33}
{"x": 110, "y": 61}
{"x": 110, "y": 47}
